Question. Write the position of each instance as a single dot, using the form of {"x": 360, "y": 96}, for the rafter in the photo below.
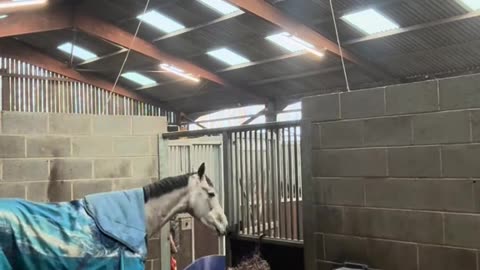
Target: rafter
{"x": 25, "y": 53}
{"x": 270, "y": 13}
{"x": 42, "y": 20}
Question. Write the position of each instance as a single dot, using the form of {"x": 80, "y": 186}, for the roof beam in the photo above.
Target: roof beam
{"x": 41, "y": 20}
{"x": 112, "y": 33}
{"x": 417, "y": 27}
{"x": 270, "y": 13}
{"x": 25, "y": 53}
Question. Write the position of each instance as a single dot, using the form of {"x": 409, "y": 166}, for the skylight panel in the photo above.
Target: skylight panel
{"x": 228, "y": 56}
{"x": 220, "y": 6}
{"x": 78, "y": 51}
{"x": 292, "y": 43}
{"x": 138, "y": 78}
{"x": 283, "y": 40}
{"x": 160, "y": 21}
{"x": 471, "y": 4}
{"x": 370, "y": 21}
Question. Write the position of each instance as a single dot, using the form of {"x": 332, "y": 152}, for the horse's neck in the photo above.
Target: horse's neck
{"x": 159, "y": 210}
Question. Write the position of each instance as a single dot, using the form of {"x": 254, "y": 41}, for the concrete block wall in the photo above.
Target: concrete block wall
{"x": 60, "y": 157}
{"x": 394, "y": 175}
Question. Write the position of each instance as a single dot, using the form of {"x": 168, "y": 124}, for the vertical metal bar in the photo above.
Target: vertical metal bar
{"x": 227, "y": 165}
{"x": 290, "y": 187}
{"x": 241, "y": 187}
{"x": 278, "y": 193}
{"x": 237, "y": 177}
{"x": 262, "y": 178}
{"x": 284, "y": 177}
{"x": 257, "y": 183}
{"x": 250, "y": 184}
{"x": 296, "y": 183}
{"x": 269, "y": 176}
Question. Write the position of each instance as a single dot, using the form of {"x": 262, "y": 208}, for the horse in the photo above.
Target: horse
{"x": 106, "y": 230}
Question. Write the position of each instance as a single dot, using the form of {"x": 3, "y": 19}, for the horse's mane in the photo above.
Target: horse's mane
{"x": 167, "y": 185}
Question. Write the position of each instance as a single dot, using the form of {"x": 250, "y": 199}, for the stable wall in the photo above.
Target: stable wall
{"x": 60, "y": 157}
{"x": 394, "y": 176}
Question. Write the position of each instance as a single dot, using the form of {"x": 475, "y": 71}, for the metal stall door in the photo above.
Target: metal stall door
{"x": 184, "y": 156}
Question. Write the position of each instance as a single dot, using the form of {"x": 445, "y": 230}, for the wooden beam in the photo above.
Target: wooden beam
{"x": 270, "y": 13}
{"x": 111, "y": 33}
{"x": 18, "y": 50}
{"x": 41, "y": 20}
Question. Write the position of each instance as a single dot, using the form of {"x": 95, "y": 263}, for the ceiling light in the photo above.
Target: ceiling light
{"x": 472, "y": 4}
{"x": 293, "y": 44}
{"x": 179, "y": 72}
{"x": 160, "y": 21}
{"x": 21, "y": 3}
{"x": 78, "y": 52}
{"x": 370, "y": 21}
{"x": 220, "y": 6}
{"x": 228, "y": 56}
{"x": 138, "y": 78}
{"x": 3, "y": 16}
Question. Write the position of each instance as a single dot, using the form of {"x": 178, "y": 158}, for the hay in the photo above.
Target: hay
{"x": 253, "y": 263}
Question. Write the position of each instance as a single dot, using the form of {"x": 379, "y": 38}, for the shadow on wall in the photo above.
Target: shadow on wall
{"x": 57, "y": 190}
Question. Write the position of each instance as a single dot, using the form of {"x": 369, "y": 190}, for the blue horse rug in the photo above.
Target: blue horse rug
{"x": 101, "y": 231}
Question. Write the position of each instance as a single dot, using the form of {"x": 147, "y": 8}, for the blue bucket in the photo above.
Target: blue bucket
{"x": 213, "y": 262}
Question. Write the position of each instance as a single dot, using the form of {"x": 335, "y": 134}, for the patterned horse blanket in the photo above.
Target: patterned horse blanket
{"x": 101, "y": 231}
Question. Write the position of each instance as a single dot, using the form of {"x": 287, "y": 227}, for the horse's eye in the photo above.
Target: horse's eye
{"x": 211, "y": 194}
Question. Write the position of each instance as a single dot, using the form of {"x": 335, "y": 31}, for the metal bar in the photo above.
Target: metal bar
{"x": 122, "y": 50}
{"x": 262, "y": 177}
{"x": 226, "y": 176}
{"x": 237, "y": 176}
{"x": 270, "y": 240}
{"x": 284, "y": 178}
{"x": 224, "y": 118}
{"x": 270, "y": 188}
{"x": 290, "y": 187}
{"x": 200, "y": 26}
{"x": 261, "y": 62}
{"x": 297, "y": 187}
{"x": 243, "y": 174}
{"x": 278, "y": 193}
{"x": 299, "y": 75}
{"x": 252, "y": 117}
{"x": 216, "y": 131}
{"x": 257, "y": 184}
{"x": 250, "y": 182}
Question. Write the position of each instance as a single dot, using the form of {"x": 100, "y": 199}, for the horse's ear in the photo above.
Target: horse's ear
{"x": 201, "y": 170}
